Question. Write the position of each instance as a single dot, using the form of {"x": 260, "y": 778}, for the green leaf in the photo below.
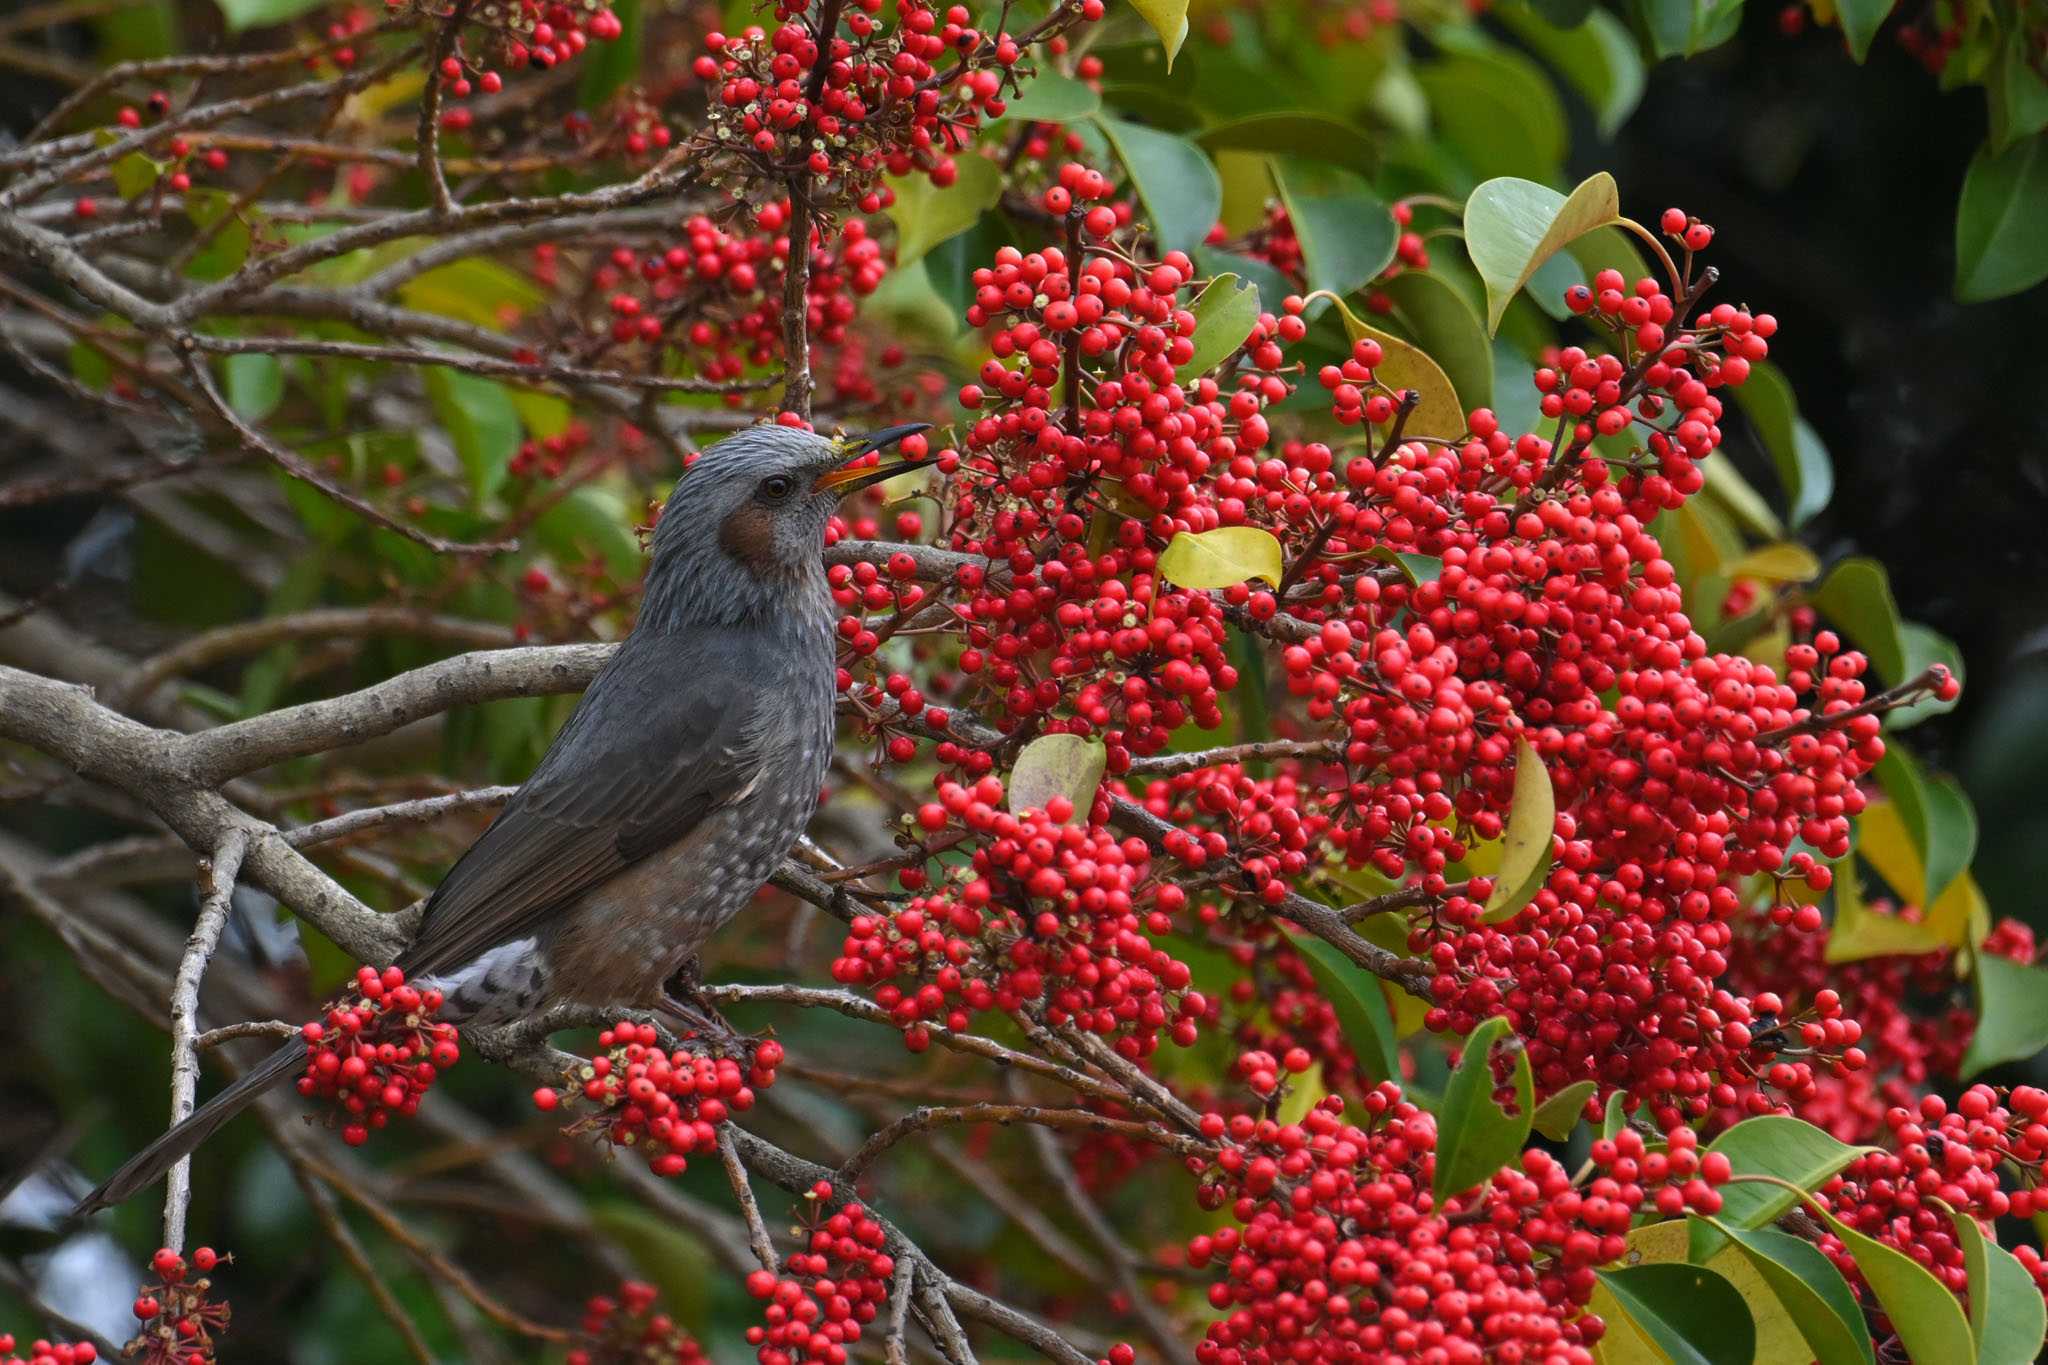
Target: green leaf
{"x": 925, "y": 214}
{"x": 481, "y": 423}
{"x": 1925, "y": 645}
{"x": 1057, "y": 765}
{"x": 1725, "y": 485}
{"x": 1938, "y": 818}
{"x": 677, "y": 1261}
{"x": 1360, "y": 1004}
{"x": 1770, "y": 1144}
{"x": 1315, "y": 136}
{"x": 1927, "y": 1318}
{"x": 1347, "y": 235}
{"x": 608, "y": 67}
{"x": 2008, "y": 1320}
{"x": 2016, "y": 93}
{"x": 1495, "y": 107}
{"x": 1179, "y": 186}
{"x": 1417, "y": 569}
{"x": 245, "y": 14}
{"x": 1222, "y": 558}
{"x": 2000, "y": 248}
{"x": 1526, "y": 845}
{"x": 1169, "y": 19}
{"x": 1601, "y": 61}
{"x": 1225, "y": 313}
{"x": 1857, "y": 598}
{"x": 1692, "y": 1314}
{"x": 1448, "y": 328}
{"x": 590, "y": 522}
{"x": 1613, "y": 1119}
{"x": 1558, "y": 1115}
{"x": 1564, "y": 14}
{"x": 1050, "y": 97}
{"x": 1514, "y": 226}
{"x": 135, "y": 175}
{"x": 2012, "y": 1013}
{"x": 1803, "y": 467}
{"x": 1860, "y": 21}
{"x": 1858, "y": 932}
{"x": 1406, "y": 366}
{"x": 1475, "y": 1137}
{"x": 213, "y": 212}
{"x": 1686, "y": 27}
{"x": 254, "y": 384}
{"x": 1812, "y": 1291}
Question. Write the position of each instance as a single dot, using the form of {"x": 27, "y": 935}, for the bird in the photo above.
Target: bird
{"x": 687, "y": 771}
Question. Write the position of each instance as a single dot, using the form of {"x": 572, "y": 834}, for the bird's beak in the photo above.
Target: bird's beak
{"x": 854, "y": 476}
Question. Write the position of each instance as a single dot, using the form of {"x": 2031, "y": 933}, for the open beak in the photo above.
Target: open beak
{"x": 851, "y": 478}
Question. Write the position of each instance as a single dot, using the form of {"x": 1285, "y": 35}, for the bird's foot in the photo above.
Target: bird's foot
{"x": 698, "y": 1020}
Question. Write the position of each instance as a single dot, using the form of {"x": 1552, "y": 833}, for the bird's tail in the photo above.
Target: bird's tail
{"x": 144, "y": 1168}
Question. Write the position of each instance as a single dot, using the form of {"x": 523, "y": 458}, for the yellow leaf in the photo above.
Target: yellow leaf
{"x": 1169, "y": 19}
{"x": 1406, "y": 366}
{"x": 1513, "y": 226}
{"x": 1785, "y": 562}
{"x": 1221, "y": 558}
{"x": 1883, "y": 841}
{"x": 1525, "y": 847}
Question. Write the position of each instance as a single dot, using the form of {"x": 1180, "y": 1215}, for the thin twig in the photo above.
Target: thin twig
{"x": 217, "y": 876}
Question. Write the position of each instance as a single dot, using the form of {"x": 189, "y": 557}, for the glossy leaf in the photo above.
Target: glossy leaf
{"x": 1860, "y": 20}
{"x": 1225, "y": 313}
{"x": 926, "y": 215}
{"x": 1927, "y": 1318}
{"x": 1316, "y": 136}
{"x": 1174, "y": 178}
{"x": 1057, "y": 765}
{"x": 1856, "y": 597}
{"x": 1495, "y": 107}
{"x": 1938, "y": 818}
{"x": 1448, "y": 328}
{"x": 1666, "y": 1242}
{"x": 2012, "y": 1013}
{"x": 1558, "y": 1115}
{"x": 1050, "y": 97}
{"x": 1924, "y": 645}
{"x": 1804, "y": 470}
{"x": 1889, "y": 847}
{"x": 1514, "y": 226}
{"x": 2016, "y": 93}
{"x": 1596, "y": 55}
{"x": 1692, "y": 1314}
{"x": 591, "y": 522}
{"x": 2000, "y": 247}
{"x": 1813, "y": 1292}
{"x": 1406, "y": 366}
{"x": 1360, "y": 1004}
{"x": 1475, "y": 1137}
{"x": 1775, "y": 1145}
{"x": 2008, "y": 1320}
{"x": 1222, "y": 558}
{"x": 479, "y": 291}
{"x": 1859, "y": 932}
{"x": 135, "y": 175}
{"x": 253, "y": 384}
{"x": 1526, "y": 844}
{"x": 1417, "y": 569}
{"x": 1169, "y": 19}
{"x": 1785, "y": 562}
{"x": 1347, "y": 235}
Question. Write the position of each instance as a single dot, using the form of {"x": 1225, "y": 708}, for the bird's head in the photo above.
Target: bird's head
{"x": 745, "y": 524}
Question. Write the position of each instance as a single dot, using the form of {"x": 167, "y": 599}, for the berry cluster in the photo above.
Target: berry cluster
{"x": 625, "y": 1330}
{"x": 827, "y": 1292}
{"x": 1047, "y": 911}
{"x": 665, "y": 1105}
{"x": 844, "y": 111}
{"x": 378, "y": 1054}
{"x": 1936, "y": 1155}
{"x": 180, "y": 1323}
{"x": 44, "y": 1352}
{"x": 522, "y": 34}
{"x": 1340, "y": 1250}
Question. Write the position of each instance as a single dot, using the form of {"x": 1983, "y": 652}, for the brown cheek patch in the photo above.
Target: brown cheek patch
{"x": 748, "y": 535}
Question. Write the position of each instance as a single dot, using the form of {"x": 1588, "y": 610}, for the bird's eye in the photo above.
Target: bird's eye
{"x": 776, "y": 487}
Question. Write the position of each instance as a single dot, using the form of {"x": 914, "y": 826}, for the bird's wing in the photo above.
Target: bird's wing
{"x": 670, "y": 731}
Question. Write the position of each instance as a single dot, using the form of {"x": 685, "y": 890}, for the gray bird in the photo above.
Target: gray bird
{"x": 687, "y": 771}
